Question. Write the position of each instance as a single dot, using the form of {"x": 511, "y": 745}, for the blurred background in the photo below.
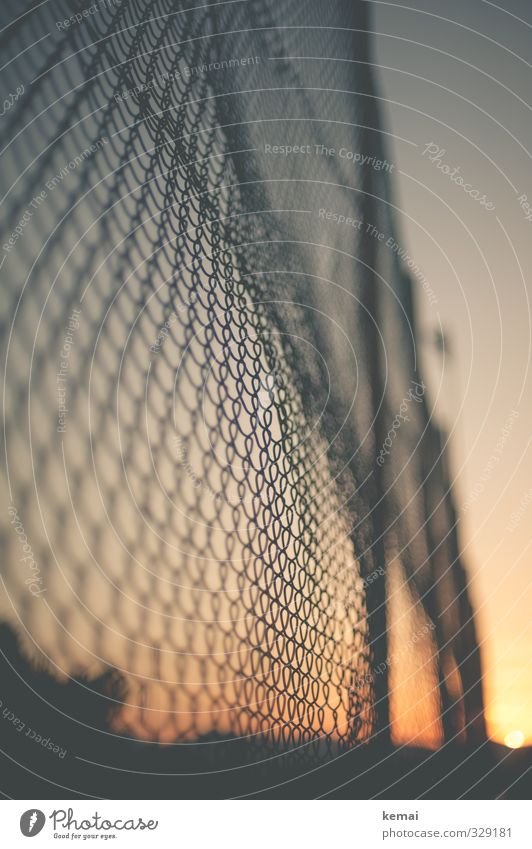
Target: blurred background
{"x": 458, "y": 78}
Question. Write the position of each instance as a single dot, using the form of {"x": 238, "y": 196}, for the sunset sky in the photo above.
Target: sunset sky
{"x": 461, "y": 83}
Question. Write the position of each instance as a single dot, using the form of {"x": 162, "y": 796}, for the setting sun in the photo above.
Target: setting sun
{"x": 514, "y": 739}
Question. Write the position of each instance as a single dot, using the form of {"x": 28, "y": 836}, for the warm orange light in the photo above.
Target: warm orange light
{"x": 514, "y": 739}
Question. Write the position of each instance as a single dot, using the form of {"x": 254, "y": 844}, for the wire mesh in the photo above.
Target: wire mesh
{"x": 201, "y": 368}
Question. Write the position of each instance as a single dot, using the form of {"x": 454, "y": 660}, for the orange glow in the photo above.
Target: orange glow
{"x": 514, "y": 739}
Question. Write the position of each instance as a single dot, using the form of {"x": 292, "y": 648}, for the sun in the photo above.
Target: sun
{"x": 514, "y": 739}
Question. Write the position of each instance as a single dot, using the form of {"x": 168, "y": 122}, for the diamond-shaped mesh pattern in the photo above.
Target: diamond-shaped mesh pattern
{"x": 206, "y": 511}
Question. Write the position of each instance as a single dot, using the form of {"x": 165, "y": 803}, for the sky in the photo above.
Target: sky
{"x": 455, "y": 80}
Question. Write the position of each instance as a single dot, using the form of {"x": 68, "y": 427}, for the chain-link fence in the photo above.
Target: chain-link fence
{"x": 218, "y": 444}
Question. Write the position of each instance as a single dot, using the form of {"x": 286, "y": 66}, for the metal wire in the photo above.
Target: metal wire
{"x": 197, "y": 475}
